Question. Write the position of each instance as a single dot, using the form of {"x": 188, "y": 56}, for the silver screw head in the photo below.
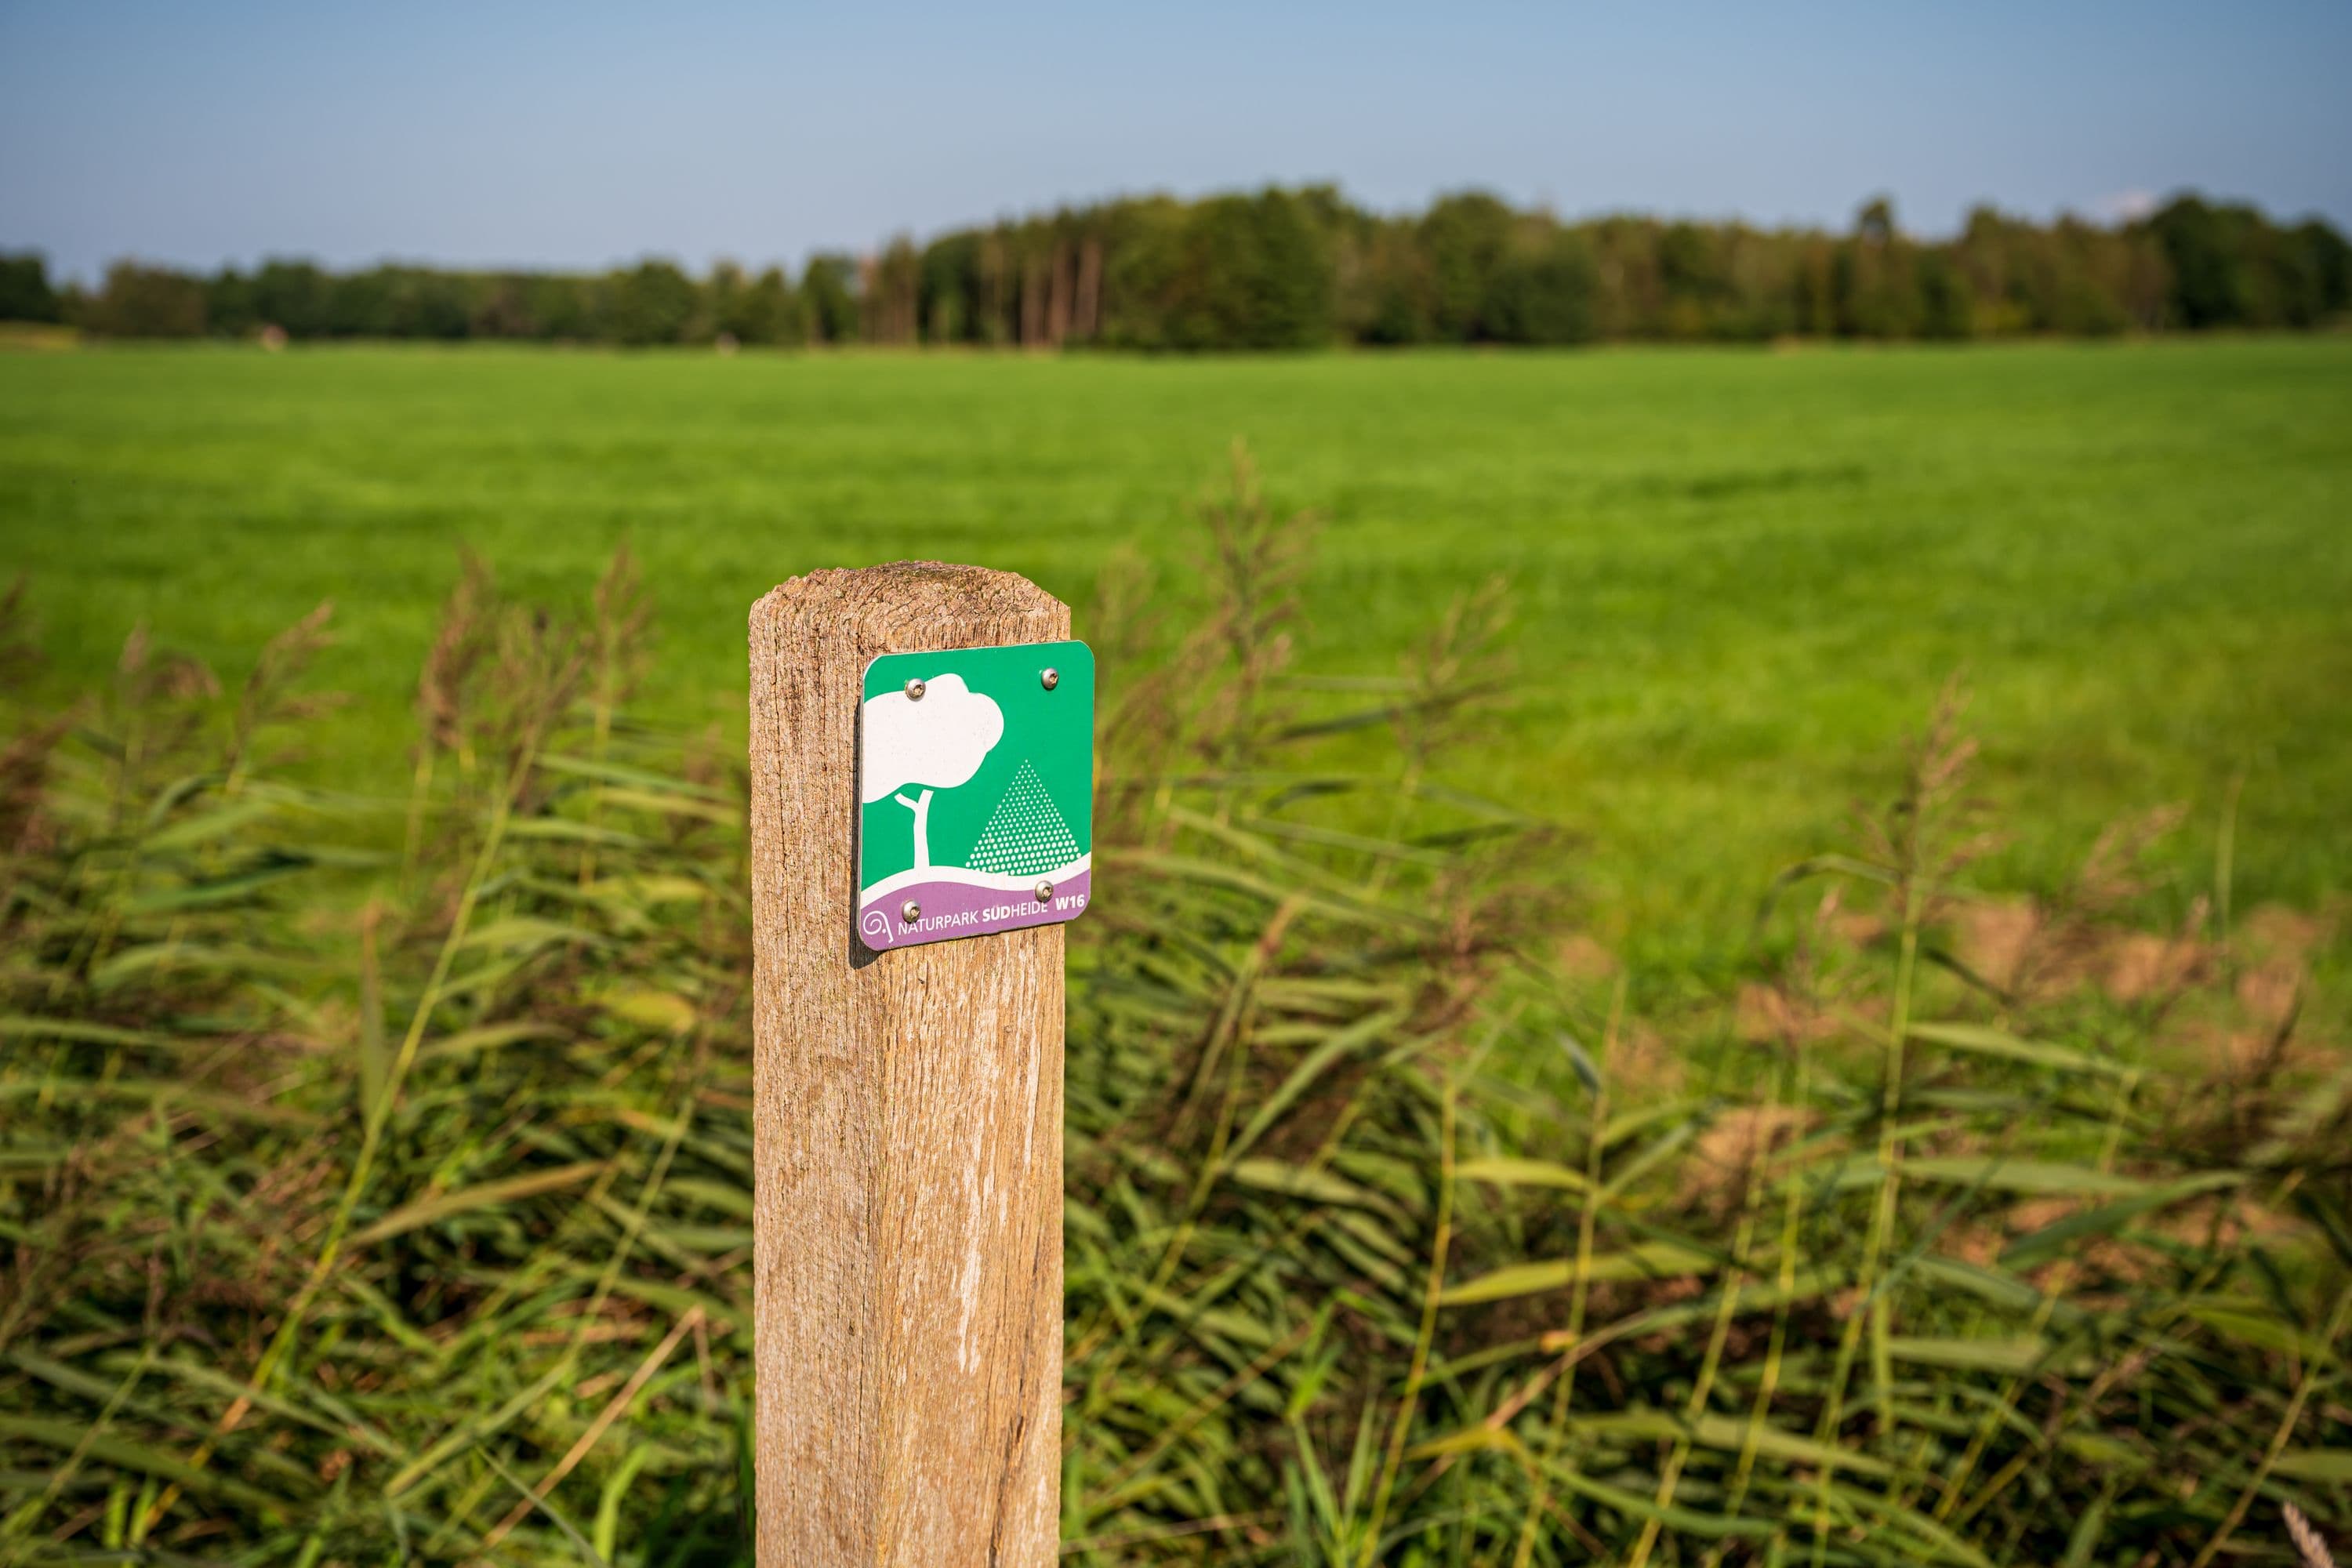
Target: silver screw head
{"x": 1045, "y": 892}
{"x": 915, "y": 689}
{"x": 911, "y": 911}
{"x": 1050, "y": 678}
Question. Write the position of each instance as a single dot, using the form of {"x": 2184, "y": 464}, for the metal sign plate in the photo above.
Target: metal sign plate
{"x": 976, "y": 769}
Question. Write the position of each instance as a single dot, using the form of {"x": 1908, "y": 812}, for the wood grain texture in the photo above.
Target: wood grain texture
{"x": 906, "y": 1277}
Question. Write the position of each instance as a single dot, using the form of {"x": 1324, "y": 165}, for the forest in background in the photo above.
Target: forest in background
{"x": 1305, "y": 268}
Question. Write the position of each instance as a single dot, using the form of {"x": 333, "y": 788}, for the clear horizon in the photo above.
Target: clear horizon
{"x": 537, "y": 137}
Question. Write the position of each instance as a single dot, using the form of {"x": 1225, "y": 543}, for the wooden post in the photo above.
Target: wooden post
{"x": 906, "y": 1135}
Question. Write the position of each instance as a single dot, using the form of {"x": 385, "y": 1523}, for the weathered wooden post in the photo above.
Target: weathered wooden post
{"x": 907, "y": 1089}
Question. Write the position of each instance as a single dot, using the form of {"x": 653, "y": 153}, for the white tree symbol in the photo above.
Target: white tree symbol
{"x": 937, "y": 741}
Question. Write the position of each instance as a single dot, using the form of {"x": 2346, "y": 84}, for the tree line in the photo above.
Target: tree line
{"x": 1305, "y": 268}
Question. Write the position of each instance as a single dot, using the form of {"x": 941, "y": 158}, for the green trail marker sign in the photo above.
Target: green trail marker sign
{"x": 976, "y": 788}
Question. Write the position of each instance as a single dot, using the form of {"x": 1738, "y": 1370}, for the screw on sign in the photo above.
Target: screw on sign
{"x": 907, "y": 1086}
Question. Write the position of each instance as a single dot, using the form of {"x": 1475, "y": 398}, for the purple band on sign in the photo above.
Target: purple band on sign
{"x": 951, "y": 903}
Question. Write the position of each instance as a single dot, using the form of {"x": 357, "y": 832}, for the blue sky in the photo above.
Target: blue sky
{"x": 579, "y": 136}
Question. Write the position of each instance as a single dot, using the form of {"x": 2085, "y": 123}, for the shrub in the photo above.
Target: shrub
{"x": 25, "y": 291}
{"x": 147, "y": 303}
{"x": 408, "y": 1217}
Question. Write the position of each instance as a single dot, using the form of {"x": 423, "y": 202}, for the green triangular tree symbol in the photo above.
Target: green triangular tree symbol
{"x": 1025, "y": 833}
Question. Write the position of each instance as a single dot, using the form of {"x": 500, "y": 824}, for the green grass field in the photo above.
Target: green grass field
{"x": 1396, "y": 1230}
{"x": 1739, "y": 576}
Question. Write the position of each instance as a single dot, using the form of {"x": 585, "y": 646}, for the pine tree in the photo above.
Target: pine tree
{"x": 1025, "y": 833}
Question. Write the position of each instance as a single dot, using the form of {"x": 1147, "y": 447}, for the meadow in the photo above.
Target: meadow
{"x": 1522, "y": 1110}
{"x": 1736, "y": 576}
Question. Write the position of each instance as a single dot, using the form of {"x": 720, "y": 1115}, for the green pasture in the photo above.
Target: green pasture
{"x": 1739, "y": 576}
